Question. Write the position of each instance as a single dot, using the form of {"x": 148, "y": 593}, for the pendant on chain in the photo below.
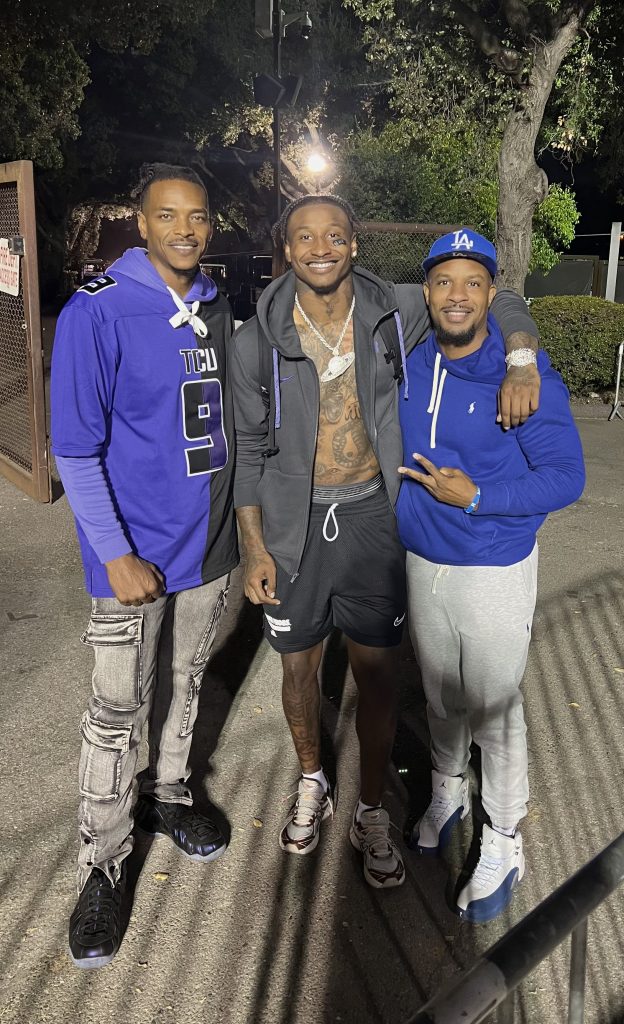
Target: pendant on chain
{"x": 337, "y": 366}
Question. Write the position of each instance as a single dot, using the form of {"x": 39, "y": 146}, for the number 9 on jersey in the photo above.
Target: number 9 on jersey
{"x": 202, "y": 416}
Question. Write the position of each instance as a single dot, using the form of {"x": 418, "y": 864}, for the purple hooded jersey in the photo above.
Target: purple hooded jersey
{"x": 152, "y": 401}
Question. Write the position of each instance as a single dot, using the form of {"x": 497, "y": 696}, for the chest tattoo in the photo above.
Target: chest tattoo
{"x": 343, "y": 450}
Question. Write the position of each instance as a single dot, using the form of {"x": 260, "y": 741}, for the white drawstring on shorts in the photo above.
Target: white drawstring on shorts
{"x": 328, "y": 518}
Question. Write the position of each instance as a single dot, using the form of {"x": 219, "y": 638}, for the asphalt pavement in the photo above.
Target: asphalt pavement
{"x": 259, "y": 936}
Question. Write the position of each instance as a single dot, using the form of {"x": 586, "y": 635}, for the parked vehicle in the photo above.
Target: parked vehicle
{"x": 91, "y": 269}
{"x": 241, "y": 277}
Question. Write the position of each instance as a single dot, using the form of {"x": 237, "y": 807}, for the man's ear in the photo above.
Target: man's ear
{"x": 491, "y": 294}
{"x": 353, "y": 247}
{"x": 287, "y": 252}
{"x": 426, "y": 292}
{"x": 141, "y": 221}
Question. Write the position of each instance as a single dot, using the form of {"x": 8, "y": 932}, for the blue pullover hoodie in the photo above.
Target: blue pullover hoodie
{"x": 135, "y": 387}
{"x": 523, "y": 473}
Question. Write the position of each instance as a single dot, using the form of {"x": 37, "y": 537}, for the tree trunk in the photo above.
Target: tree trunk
{"x": 523, "y": 185}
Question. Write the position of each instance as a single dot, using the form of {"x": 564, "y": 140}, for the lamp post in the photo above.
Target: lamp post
{"x": 277, "y": 114}
{"x": 272, "y": 23}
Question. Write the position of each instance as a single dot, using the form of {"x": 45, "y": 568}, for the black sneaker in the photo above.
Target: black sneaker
{"x": 196, "y": 835}
{"x": 95, "y": 930}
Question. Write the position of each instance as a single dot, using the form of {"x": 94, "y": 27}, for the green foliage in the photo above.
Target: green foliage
{"x": 398, "y": 174}
{"x": 447, "y": 175}
{"x": 435, "y": 65}
{"x": 90, "y": 91}
{"x": 581, "y": 336}
{"x": 484, "y": 63}
{"x": 41, "y": 88}
{"x": 46, "y": 51}
{"x": 554, "y": 222}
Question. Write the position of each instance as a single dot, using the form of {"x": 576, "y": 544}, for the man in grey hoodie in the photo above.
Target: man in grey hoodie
{"x": 318, "y": 448}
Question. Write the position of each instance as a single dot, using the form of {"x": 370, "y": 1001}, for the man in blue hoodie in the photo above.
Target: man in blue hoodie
{"x": 143, "y": 437}
{"x": 468, "y": 517}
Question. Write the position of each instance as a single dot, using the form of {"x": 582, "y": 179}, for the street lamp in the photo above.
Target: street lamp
{"x": 317, "y": 163}
{"x": 320, "y": 169}
{"x": 272, "y": 22}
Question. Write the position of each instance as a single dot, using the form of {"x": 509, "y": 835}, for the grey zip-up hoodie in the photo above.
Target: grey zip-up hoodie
{"x": 282, "y": 484}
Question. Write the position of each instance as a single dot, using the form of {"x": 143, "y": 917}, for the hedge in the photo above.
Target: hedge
{"x": 581, "y": 335}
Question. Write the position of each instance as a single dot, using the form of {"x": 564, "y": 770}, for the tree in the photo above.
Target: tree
{"x": 45, "y": 47}
{"x": 444, "y": 175}
{"x": 92, "y": 91}
{"x": 53, "y": 115}
{"x": 499, "y": 64}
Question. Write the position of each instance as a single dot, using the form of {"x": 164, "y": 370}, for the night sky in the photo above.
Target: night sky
{"x": 599, "y": 206}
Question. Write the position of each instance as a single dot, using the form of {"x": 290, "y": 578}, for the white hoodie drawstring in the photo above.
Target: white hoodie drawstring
{"x": 328, "y": 518}
{"x": 434, "y": 386}
{"x": 186, "y": 315}
{"x": 436, "y": 398}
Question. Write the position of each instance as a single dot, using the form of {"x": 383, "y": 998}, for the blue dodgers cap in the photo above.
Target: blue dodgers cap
{"x": 466, "y": 243}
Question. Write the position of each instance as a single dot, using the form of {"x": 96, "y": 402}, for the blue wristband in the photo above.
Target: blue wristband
{"x": 475, "y": 501}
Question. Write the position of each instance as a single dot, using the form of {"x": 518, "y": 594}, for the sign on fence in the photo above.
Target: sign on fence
{"x": 9, "y": 269}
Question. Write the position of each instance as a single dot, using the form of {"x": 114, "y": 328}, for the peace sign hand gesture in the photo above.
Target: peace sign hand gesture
{"x": 450, "y": 486}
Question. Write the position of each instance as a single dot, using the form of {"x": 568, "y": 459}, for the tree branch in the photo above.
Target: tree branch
{"x": 509, "y": 61}
{"x": 518, "y": 17}
{"x": 576, "y": 8}
{"x": 199, "y": 160}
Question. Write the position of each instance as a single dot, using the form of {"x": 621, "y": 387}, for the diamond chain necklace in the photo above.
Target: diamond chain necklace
{"x": 334, "y": 349}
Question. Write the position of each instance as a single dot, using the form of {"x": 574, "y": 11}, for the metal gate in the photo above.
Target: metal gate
{"x": 23, "y": 442}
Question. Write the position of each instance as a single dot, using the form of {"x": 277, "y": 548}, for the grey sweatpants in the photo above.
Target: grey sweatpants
{"x": 149, "y": 664}
{"x": 470, "y": 628}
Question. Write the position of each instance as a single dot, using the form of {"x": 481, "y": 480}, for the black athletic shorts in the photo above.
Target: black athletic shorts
{"x": 354, "y": 580}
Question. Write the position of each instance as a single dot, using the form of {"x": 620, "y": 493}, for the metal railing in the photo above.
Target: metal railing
{"x": 475, "y": 994}
{"x": 616, "y": 401}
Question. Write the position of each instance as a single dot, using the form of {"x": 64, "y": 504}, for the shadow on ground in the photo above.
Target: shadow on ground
{"x": 261, "y": 937}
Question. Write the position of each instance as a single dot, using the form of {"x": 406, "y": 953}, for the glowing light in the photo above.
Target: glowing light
{"x": 317, "y": 163}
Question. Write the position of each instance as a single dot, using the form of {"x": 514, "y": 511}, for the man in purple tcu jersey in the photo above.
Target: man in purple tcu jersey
{"x": 143, "y": 438}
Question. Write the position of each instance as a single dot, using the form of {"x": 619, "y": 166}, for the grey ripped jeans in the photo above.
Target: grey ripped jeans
{"x": 149, "y": 664}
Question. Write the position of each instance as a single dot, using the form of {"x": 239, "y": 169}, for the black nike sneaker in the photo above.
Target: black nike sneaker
{"x": 196, "y": 835}
{"x": 95, "y": 929}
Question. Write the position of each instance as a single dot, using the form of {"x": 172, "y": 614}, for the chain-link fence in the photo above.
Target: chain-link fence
{"x": 395, "y": 251}
{"x": 14, "y": 439}
{"x": 23, "y": 450}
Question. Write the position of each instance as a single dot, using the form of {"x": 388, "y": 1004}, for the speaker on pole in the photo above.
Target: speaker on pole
{"x": 268, "y": 91}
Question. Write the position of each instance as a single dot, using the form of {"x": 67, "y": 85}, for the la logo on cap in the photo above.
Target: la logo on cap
{"x": 462, "y": 241}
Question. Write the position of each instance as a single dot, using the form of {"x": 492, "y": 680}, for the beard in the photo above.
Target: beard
{"x": 459, "y": 339}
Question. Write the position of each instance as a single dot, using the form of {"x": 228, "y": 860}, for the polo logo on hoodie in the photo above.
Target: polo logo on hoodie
{"x": 461, "y": 241}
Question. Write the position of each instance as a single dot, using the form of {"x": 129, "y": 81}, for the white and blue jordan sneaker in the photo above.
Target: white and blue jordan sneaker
{"x": 490, "y": 887}
{"x": 450, "y": 803}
